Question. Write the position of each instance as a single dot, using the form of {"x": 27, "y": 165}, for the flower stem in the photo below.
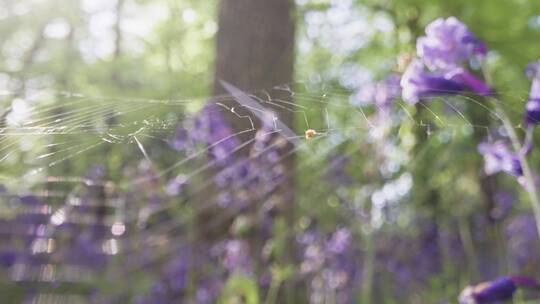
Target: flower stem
{"x": 528, "y": 177}
{"x": 273, "y": 291}
{"x": 368, "y": 271}
{"x": 468, "y": 244}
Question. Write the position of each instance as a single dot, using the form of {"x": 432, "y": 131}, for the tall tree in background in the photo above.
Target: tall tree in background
{"x": 255, "y": 44}
{"x": 255, "y": 51}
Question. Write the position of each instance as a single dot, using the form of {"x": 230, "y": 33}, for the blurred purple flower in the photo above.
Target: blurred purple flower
{"x": 340, "y": 241}
{"x": 8, "y": 258}
{"x": 176, "y": 186}
{"x": 249, "y": 179}
{"x": 500, "y": 289}
{"x": 522, "y": 242}
{"x": 96, "y": 173}
{"x": 525, "y": 282}
{"x": 29, "y": 199}
{"x": 237, "y": 256}
{"x": 186, "y": 269}
{"x": 222, "y": 149}
{"x": 331, "y": 264}
{"x": 208, "y": 290}
{"x": 532, "y": 113}
{"x": 410, "y": 260}
{"x": 215, "y": 132}
{"x": 87, "y": 251}
{"x": 387, "y": 91}
{"x": 337, "y": 170}
{"x": 495, "y": 291}
{"x": 417, "y": 83}
{"x": 448, "y": 43}
{"x": 180, "y": 141}
{"x": 313, "y": 258}
{"x": 177, "y": 272}
{"x": 498, "y": 157}
{"x": 208, "y": 128}
{"x": 236, "y": 174}
{"x": 472, "y": 82}
{"x": 503, "y": 203}
{"x": 381, "y": 94}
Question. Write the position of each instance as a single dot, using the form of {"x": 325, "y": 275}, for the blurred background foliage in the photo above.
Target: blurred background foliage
{"x": 165, "y": 49}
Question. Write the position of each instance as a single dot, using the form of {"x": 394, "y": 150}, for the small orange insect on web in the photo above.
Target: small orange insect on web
{"x": 310, "y": 133}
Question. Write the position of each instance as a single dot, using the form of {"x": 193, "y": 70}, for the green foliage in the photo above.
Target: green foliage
{"x": 173, "y": 60}
{"x": 240, "y": 289}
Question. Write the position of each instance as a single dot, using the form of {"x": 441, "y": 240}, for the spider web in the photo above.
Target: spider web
{"x": 48, "y": 146}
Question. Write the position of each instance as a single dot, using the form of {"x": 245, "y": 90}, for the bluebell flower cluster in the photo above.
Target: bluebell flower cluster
{"x": 330, "y": 263}
{"x": 445, "y": 56}
{"x": 61, "y": 243}
{"x": 500, "y": 158}
{"x": 532, "y": 108}
{"x": 208, "y": 129}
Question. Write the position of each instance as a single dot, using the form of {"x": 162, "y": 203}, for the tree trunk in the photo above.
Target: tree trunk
{"x": 255, "y": 52}
{"x": 255, "y": 44}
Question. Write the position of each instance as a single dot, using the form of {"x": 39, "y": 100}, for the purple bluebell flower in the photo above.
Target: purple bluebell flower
{"x": 387, "y": 91}
{"x": 234, "y": 174}
{"x": 215, "y": 132}
{"x": 340, "y": 241}
{"x": 472, "y": 82}
{"x": 237, "y": 257}
{"x": 313, "y": 256}
{"x": 417, "y": 83}
{"x": 186, "y": 270}
{"x": 496, "y": 291}
{"x": 500, "y": 289}
{"x": 525, "y": 282}
{"x": 409, "y": 267}
{"x": 29, "y": 199}
{"x": 207, "y": 128}
{"x": 445, "y": 49}
{"x": 8, "y": 258}
{"x": 532, "y": 108}
{"x": 337, "y": 170}
{"x": 448, "y": 43}
{"x": 341, "y": 264}
{"x": 522, "y": 242}
{"x": 208, "y": 290}
{"x": 176, "y": 186}
{"x": 503, "y": 204}
{"x": 381, "y": 94}
{"x": 331, "y": 263}
{"x": 180, "y": 141}
{"x": 86, "y": 251}
{"x": 221, "y": 150}
{"x": 96, "y": 173}
{"x": 498, "y": 157}
{"x": 177, "y": 273}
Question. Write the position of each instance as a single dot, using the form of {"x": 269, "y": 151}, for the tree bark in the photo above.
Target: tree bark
{"x": 255, "y": 43}
{"x": 255, "y": 52}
